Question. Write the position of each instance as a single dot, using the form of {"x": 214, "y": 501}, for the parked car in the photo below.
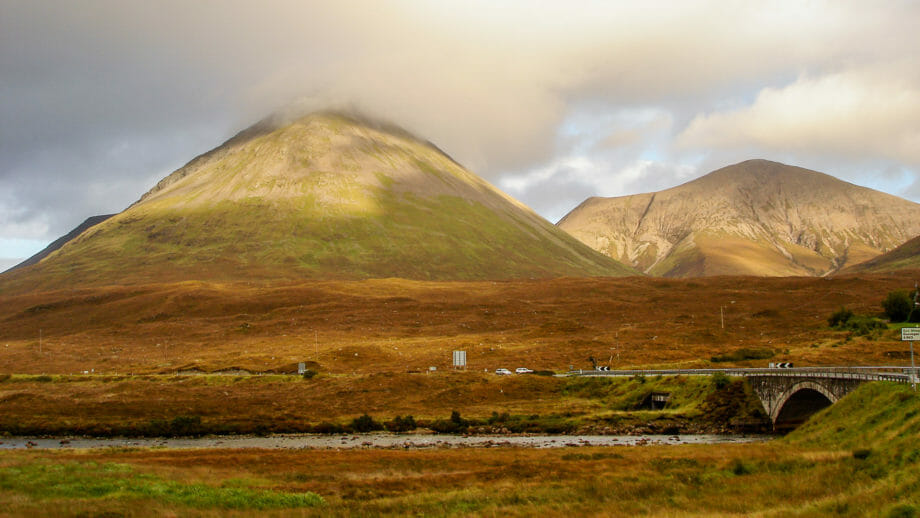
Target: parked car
{"x": 523, "y": 370}
{"x": 502, "y": 372}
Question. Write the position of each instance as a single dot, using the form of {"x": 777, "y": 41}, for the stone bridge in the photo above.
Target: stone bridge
{"x": 789, "y": 396}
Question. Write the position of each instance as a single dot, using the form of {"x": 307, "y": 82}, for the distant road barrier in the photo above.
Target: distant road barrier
{"x": 896, "y": 373}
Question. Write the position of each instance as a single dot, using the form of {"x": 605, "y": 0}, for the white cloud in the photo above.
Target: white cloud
{"x": 871, "y": 112}
{"x": 557, "y": 188}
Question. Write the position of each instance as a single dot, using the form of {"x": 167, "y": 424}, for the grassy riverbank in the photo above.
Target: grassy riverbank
{"x": 445, "y": 402}
{"x": 857, "y": 458}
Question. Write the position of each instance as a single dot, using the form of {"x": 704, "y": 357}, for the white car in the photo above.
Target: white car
{"x": 523, "y": 370}
{"x": 502, "y": 372}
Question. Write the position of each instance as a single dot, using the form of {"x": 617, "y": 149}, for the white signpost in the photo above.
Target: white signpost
{"x": 459, "y": 359}
{"x": 911, "y": 334}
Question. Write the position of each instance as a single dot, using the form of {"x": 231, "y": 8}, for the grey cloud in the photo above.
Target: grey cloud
{"x": 552, "y": 196}
{"x": 102, "y": 97}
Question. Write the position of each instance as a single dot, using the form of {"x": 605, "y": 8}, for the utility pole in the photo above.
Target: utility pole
{"x": 909, "y": 334}
{"x": 722, "y": 315}
{"x": 39, "y": 341}
{"x": 913, "y": 367}
{"x": 315, "y": 345}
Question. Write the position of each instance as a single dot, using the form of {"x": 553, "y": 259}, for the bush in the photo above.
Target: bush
{"x": 327, "y": 427}
{"x": 180, "y": 426}
{"x": 365, "y": 424}
{"x": 401, "y": 424}
{"x": 186, "y": 425}
{"x": 455, "y": 424}
{"x": 862, "y": 325}
{"x": 720, "y": 380}
{"x": 499, "y": 418}
{"x": 739, "y": 467}
{"x": 862, "y": 453}
{"x": 308, "y": 373}
{"x": 902, "y": 511}
{"x": 840, "y": 317}
{"x": 743, "y": 354}
{"x": 897, "y": 306}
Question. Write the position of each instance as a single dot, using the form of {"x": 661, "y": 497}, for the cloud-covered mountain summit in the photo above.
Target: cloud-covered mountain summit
{"x": 326, "y": 195}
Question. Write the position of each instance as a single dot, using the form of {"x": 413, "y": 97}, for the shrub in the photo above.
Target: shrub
{"x": 455, "y": 424}
{"x": 862, "y": 453}
{"x": 401, "y": 424}
{"x": 862, "y": 325}
{"x": 902, "y": 511}
{"x": 720, "y": 380}
{"x": 840, "y": 317}
{"x": 739, "y": 467}
{"x": 897, "y": 306}
{"x": 499, "y": 418}
{"x": 365, "y": 424}
{"x": 185, "y": 425}
{"x": 327, "y": 427}
{"x": 742, "y": 354}
{"x": 308, "y": 373}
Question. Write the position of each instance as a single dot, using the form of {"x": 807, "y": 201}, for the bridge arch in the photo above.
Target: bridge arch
{"x": 799, "y": 402}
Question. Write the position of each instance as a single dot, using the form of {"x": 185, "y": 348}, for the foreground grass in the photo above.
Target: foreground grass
{"x": 857, "y": 458}
{"x": 89, "y": 480}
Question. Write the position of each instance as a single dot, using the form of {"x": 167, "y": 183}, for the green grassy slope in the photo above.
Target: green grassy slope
{"x": 883, "y": 417}
{"x": 322, "y": 197}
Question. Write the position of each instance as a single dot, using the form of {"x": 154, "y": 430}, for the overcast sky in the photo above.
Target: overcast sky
{"x": 551, "y": 101}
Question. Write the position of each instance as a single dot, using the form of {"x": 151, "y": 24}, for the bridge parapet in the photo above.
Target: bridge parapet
{"x": 894, "y": 373}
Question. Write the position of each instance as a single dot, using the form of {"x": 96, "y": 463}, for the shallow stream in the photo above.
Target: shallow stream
{"x": 372, "y": 440}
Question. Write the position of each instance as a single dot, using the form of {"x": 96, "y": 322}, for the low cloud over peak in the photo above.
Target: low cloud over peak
{"x": 103, "y": 99}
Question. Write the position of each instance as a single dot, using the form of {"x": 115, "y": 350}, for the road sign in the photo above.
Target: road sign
{"x": 459, "y": 359}
{"x": 911, "y": 334}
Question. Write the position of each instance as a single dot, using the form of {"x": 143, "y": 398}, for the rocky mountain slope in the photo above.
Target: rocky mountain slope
{"x": 753, "y": 218}
{"x": 323, "y": 196}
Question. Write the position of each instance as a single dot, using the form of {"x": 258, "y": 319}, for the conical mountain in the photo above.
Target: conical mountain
{"x": 325, "y": 196}
{"x": 753, "y": 218}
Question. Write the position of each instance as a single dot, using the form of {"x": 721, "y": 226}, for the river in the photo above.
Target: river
{"x": 371, "y": 440}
